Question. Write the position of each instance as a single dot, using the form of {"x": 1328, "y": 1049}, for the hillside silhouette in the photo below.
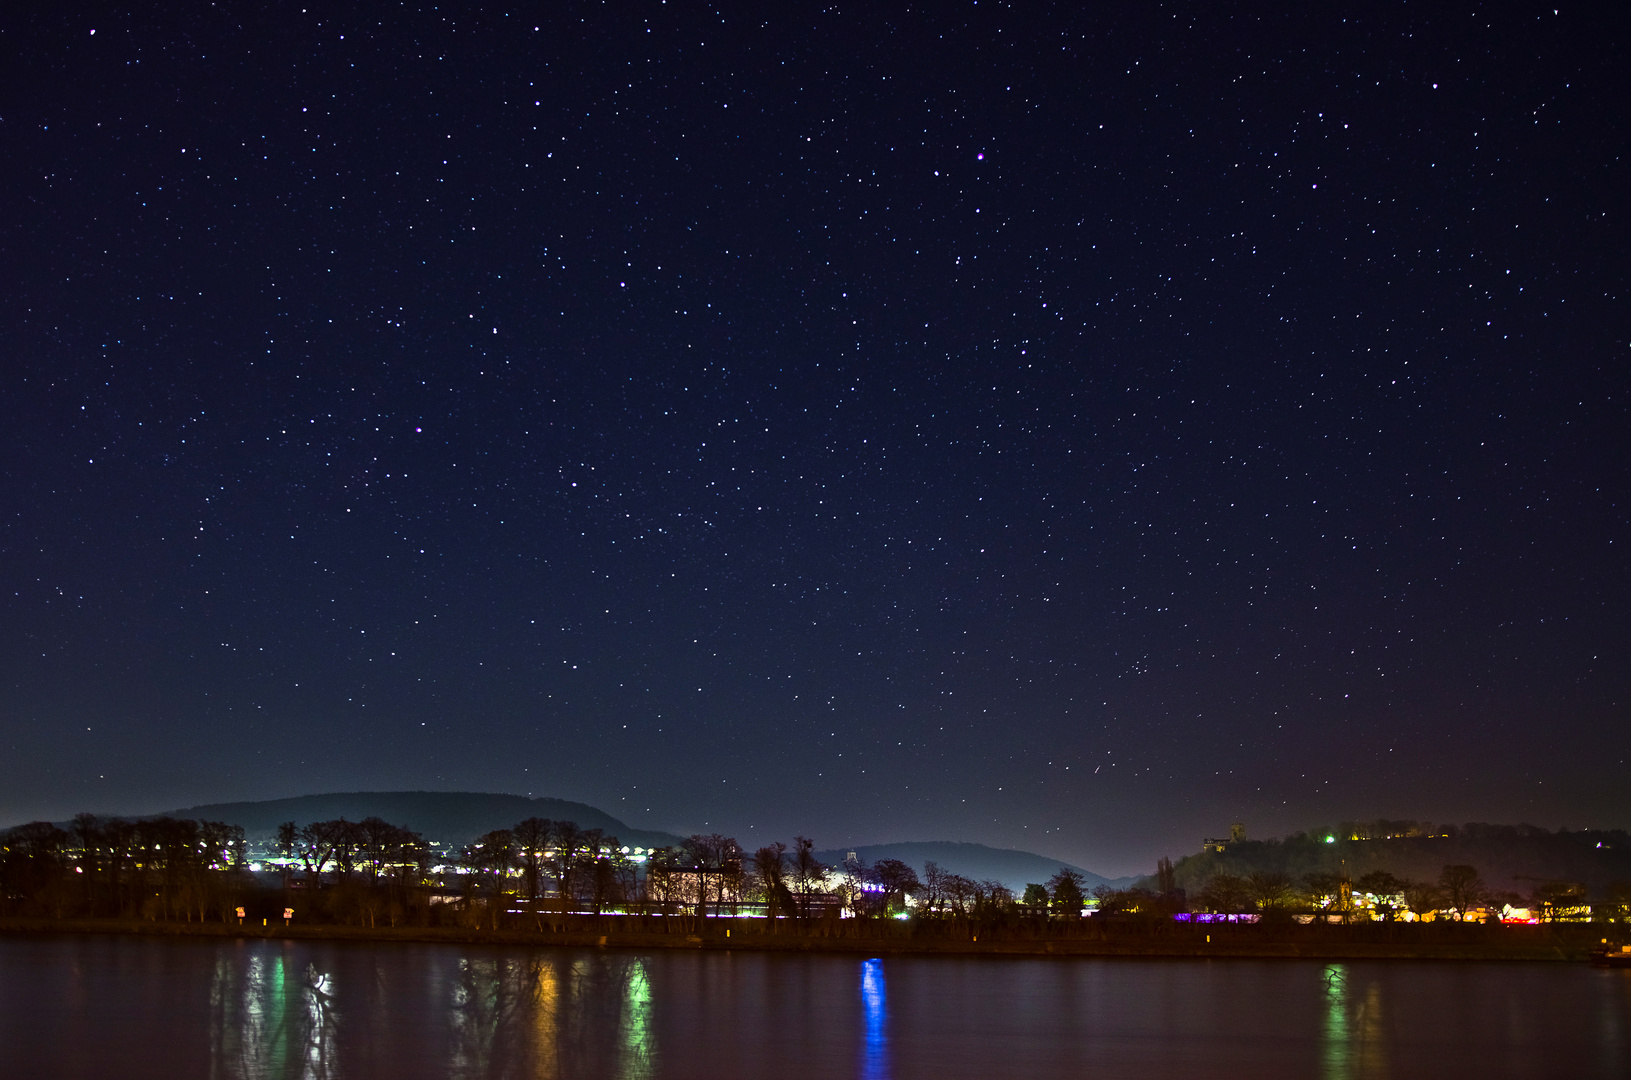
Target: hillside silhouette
{"x": 1513, "y": 858}
{"x": 1012, "y": 867}
{"x": 449, "y": 818}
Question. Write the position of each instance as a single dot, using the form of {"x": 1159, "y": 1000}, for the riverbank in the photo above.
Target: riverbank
{"x": 1567, "y": 943}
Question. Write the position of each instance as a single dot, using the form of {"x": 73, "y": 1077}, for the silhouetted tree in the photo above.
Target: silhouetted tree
{"x": 1111, "y": 900}
{"x": 1227, "y": 893}
{"x": 991, "y": 899}
{"x": 1065, "y": 888}
{"x": 600, "y": 858}
{"x": 1269, "y": 890}
{"x": 1166, "y": 882}
{"x": 854, "y": 875}
{"x": 315, "y": 844}
{"x": 1421, "y": 898}
{"x": 170, "y": 848}
{"x": 532, "y": 839}
{"x": 714, "y": 860}
{"x": 1324, "y": 890}
{"x": 120, "y": 837}
{"x": 770, "y": 868}
{"x": 347, "y": 837}
{"x": 490, "y": 858}
{"x": 562, "y": 857}
{"x": 959, "y": 894}
{"x": 897, "y": 880}
{"x": 665, "y": 880}
{"x": 609, "y": 876}
{"x": 806, "y": 874}
{"x": 1036, "y": 895}
{"x": 379, "y": 841}
{"x": 33, "y": 864}
{"x": 933, "y": 893}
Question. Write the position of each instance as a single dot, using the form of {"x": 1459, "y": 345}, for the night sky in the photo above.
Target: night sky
{"x": 1066, "y": 427}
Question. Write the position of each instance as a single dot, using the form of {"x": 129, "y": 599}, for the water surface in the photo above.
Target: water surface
{"x": 133, "y": 1007}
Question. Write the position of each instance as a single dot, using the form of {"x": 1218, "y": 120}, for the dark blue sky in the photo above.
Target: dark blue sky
{"x": 1064, "y": 427}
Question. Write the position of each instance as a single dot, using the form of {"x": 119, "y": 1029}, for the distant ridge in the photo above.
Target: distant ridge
{"x": 446, "y": 817}
{"x": 1012, "y": 867}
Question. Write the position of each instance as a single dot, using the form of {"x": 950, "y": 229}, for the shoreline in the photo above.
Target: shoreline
{"x": 1571, "y": 947}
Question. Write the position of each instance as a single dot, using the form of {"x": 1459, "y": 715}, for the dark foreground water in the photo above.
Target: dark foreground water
{"x": 132, "y": 1007}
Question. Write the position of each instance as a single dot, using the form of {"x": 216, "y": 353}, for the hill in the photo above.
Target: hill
{"x": 1513, "y": 858}
{"x": 1010, "y": 866}
{"x": 445, "y": 817}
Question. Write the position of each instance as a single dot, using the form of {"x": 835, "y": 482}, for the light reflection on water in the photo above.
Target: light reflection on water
{"x": 270, "y": 1010}
{"x": 539, "y": 1015}
{"x": 1355, "y": 1044}
{"x": 875, "y": 1006}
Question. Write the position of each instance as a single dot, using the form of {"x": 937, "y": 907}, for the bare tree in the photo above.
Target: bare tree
{"x": 562, "y": 857}
{"x": 959, "y": 893}
{"x": 378, "y": 840}
{"x": 1227, "y": 893}
{"x": 770, "y": 867}
{"x": 934, "y": 887}
{"x": 853, "y": 877}
{"x": 1462, "y": 888}
{"x": 664, "y": 877}
{"x": 348, "y": 843}
{"x": 897, "y": 880}
{"x": 715, "y": 860}
{"x": 806, "y": 875}
{"x": 1114, "y": 901}
{"x": 315, "y": 844}
{"x": 610, "y": 875}
{"x": 1325, "y": 890}
{"x": 532, "y": 838}
{"x": 1270, "y": 890}
{"x": 1421, "y": 898}
{"x": 600, "y": 860}
{"x": 491, "y": 857}
{"x": 992, "y": 898}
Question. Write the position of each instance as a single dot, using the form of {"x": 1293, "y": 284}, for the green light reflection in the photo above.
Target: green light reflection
{"x": 1353, "y": 1040}
{"x": 255, "y": 1033}
{"x": 638, "y": 1042}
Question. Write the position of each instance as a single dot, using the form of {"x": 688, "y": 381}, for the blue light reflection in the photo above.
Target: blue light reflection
{"x": 874, "y": 1002}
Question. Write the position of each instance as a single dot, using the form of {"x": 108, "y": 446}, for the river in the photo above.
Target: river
{"x": 142, "y": 1007}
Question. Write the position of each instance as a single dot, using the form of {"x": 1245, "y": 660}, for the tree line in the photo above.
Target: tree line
{"x": 156, "y": 868}
{"x": 371, "y": 872}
